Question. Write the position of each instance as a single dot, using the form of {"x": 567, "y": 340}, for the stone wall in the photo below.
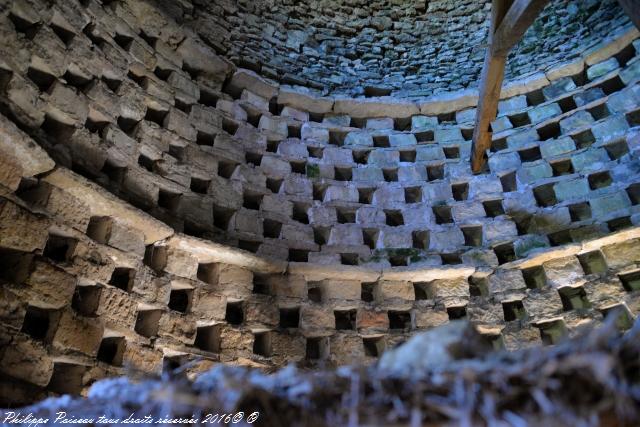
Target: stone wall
{"x": 159, "y": 205}
{"x": 416, "y": 48}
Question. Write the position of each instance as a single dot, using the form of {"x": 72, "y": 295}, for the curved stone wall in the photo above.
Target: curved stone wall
{"x": 158, "y": 205}
{"x": 406, "y": 48}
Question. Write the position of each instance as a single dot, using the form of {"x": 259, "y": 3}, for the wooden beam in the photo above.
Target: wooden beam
{"x": 515, "y": 23}
{"x": 632, "y": 8}
{"x": 490, "y": 86}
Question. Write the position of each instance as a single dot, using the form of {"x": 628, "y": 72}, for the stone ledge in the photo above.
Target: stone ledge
{"x": 103, "y": 203}
{"x": 210, "y": 252}
{"x": 449, "y": 102}
{"x": 610, "y": 47}
{"x": 375, "y": 107}
{"x": 32, "y": 159}
{"x": 302, "y": 99}
{"x": 247, "y": 79}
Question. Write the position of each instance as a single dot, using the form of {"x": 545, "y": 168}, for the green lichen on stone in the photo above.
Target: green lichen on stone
{"x": 525, "y": 247}
{"x": 313, "y": 171}
{"x": 414, "y": 255}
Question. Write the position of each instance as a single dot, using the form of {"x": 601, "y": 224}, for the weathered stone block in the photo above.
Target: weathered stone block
{"x": 544, "y": 112}
{"x": 445, "y": 135}
{"x": 341, "y": 290}
{"x": 449, "y": 239}
{"x": 78, "y": 333}
{"x": 602, "y": 68}
{"x": 516, "y": 103}
{"x": 389, "y": 291}
{"x": 380, "y": 123}
{"x": 402, "y": 139}
{"x": 425, "y": 153}
{"x": 50, "y": 285}
{"x": 316, "y": 320}
{"x": 117, "y": 307}
{"x": 372, "y": 320}
{"x": 604, "y": 207}
{"x": 571, "y": 189}
{"x": 178, "y": 327}
{"x": 577, "y": 120}
{"x": 591, "y": 159}
{"x": 14, "y": 220}
{"x": 26, "y": 360}
{"x": 555, "y": 147}
{"x": 506, "y": 281}
{"x": 611, "y": 128}
{"x": 563, "y": 271}
{"x": 423, "y": 122}
{"x": 178, "y": 122}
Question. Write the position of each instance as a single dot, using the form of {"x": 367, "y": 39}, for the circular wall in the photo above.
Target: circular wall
{"x": 408, "y": 48}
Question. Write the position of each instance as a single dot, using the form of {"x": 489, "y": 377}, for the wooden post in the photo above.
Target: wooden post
{"x": 509, "y": 21}
{"x": 490, "y": 85}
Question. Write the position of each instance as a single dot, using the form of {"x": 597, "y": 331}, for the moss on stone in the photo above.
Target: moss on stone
{"x": 313, "y": 171}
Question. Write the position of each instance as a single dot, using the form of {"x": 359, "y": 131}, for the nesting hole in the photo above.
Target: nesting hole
{"x": 390, "y": 175}
{"x": 580, "y": 211}
{"x": 99, "y": 229}
{"x": 262, "y": 343}
{"x": 317, "y": 348}
{"x": 111, "y": 350}
{"x": 123, "y": 278}
{"x": 180, "y": 300}
{"x": 342, "y": 173}
{"x": 600, "y": 180}
{"x": 289, "y": 317}
{"x": 399, "y": 320}
{"x": 271, "y": 228}
{"x": 370, "y": 237}
{"x": 234, "y": 314}
{"x": 435, "y": 172}
{"x": 38, "y": 323}
{"x": 226, "y": 169}
{"x": 460, "y": 191}
{"x": 420, "y": 239}
{"x": 298, "y": 255}
{"x": 413, "y": 194}
{"x": 534, "y": 277}
{"x": 368, "y": 291}
{"x": 373, "y": 346}
{"x": 593, "y": 262}
{"x": 562, "y": 167}
{"x": 574, "y": 298}
{"x": 513, "y": 310}
{"x": 424, "y": 291}
{"x": 321, "y": 235}
{"x": 545, "y": 195}
{"x": 274, "y": 185}
{"x": 630, "y": 280}
{"x": 345, "y": 320}
{"x": 60, "y": 249}
{"x": 365, "y": 195}
{"x": 493, "y": 208}
{"x": 208, "y": 338}
{"x": 86, "y": 300}
{"x": 457, "y": 312}
{"x": 148, "y": 322}
{"x": 442, "y": 214}
{"x": 472, "y": 235}
{"x": 394, "y": 218}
